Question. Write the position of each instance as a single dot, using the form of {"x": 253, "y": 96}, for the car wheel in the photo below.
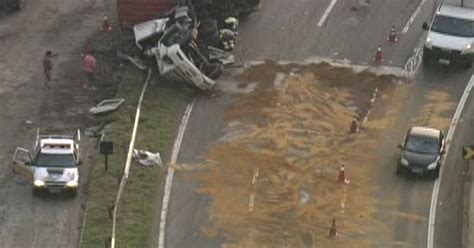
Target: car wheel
{"x": 72, "y": 193}
{"x": 36, "y": 192}
{"x": 435, "y": 173}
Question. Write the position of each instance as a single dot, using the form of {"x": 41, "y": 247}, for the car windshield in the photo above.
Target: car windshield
{"x": 422, "y": 144}
{"x": 55, "y": 160}
{"x": 453, "y": 26}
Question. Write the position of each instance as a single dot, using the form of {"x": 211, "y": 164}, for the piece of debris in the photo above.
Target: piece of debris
{"x": 28, "y": 122}
{"x": 304, "y": 197}
{"x": 106, "y": 106}
{"x": 134, "y": 61}
{"x": 222, "y": 56}
{"x": 147, "y": 158}
{"x": 95, "y": 131}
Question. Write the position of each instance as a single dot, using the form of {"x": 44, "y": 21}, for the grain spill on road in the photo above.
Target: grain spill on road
{"x": 272, "y": 175}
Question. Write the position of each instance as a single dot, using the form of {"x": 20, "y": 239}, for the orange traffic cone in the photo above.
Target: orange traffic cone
{"x": 392, "y": 37}
{"x": 106, "y": 27}
{"x": 342, "y": 176}
{"x": 332, "y": 231}
{"x": 379, "y": 55}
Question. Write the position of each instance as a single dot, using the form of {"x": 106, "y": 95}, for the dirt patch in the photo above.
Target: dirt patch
{"x": 272, "y": 176}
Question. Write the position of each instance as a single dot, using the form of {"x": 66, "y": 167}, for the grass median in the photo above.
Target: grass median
{"x": 161, "y": 114}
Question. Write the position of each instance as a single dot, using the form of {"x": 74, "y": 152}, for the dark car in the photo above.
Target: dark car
{"x": 421, "y": 152}
{"x": 10, "y": 5}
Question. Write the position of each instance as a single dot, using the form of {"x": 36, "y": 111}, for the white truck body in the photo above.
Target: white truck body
{"x": 451, "y": 33}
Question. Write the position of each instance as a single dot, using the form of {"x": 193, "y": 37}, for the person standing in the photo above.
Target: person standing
{"x": 48, "y": 66}
{"x": 90, "y": 70}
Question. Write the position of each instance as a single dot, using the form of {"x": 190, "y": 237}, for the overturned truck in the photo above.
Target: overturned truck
{"x": 194, "y": 40}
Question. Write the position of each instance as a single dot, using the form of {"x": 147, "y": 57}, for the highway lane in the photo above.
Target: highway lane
{"x": 404, "y": 202}
{"x": 288, "y": 31}
{"x": 450, "y": 213}
{"x": 285, "y": 30}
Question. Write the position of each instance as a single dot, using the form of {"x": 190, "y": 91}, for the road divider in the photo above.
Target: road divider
{"x": 449, "y": 138}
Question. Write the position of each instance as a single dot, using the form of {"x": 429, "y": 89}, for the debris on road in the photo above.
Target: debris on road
{"x": 147, "y": 158}
{"x": 106, "y": 106}
{"x": 294, "y": 127}
{"x": 95, "y": 131}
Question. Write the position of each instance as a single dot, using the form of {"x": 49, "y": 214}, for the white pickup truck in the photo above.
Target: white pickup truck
{"x": 450, "y": 36}
{"x": 53, "y": 166}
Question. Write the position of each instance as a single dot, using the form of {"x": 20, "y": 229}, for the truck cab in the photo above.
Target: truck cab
{"x": 52, "y": 166}
{"x": 450, "y": 36}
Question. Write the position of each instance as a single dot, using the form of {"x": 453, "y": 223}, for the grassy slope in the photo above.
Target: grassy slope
{"x": 160, "y": 116}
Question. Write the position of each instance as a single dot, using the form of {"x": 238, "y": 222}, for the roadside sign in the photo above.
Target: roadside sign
{"x": 468, "y": 152}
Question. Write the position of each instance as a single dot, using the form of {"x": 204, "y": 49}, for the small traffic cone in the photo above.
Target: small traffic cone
{"x": 332, "y": 231}
{"x": 106, "y": 27}
{"x": 379, "y": 55}
{"x": 392, "y": 37}
{"x": 342, "y": 176}
{"x": 354, "y": 127}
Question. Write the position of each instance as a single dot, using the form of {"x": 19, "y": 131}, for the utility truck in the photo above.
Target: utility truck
{"x": 450, "y": 36}
{"x": 52, "y": 166}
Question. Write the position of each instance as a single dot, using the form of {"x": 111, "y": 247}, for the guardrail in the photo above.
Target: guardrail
{"x": 128, "y": 162}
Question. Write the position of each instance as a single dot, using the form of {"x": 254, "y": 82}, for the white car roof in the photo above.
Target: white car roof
{"x": 57, "y": 146}
{"x": 425, "y": 131}
{"x": 455, "y": 11}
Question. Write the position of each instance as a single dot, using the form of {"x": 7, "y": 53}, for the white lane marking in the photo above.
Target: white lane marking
{"x": 449, "y": 137}
{"x": 412, "y": 17}
{"x": 169, "y": 177}
{"x": 326, "y": 13}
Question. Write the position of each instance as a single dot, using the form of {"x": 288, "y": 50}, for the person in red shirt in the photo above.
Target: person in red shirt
{"x": 90, "y": 69}
{"x": 48, "y": 66}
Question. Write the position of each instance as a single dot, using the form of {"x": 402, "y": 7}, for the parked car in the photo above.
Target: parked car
{"x": 421, "y": 152}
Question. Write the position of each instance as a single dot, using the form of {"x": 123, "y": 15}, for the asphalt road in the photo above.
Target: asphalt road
{"x": 61, "y": 25}
{"x": 453, "y": 209}
{"x": 285, "y": 31}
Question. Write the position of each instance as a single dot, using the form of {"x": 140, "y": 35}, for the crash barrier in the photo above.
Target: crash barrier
{"x": 123, "y": 181}
{"x": 412, "y": 64}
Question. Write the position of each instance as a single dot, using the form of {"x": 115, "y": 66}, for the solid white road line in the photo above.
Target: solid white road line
{"x": 326, "y": 13}
{"x": 412, "y": 17}
{"x": 449, "y": 137}
{"x": 169, "y": 177}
